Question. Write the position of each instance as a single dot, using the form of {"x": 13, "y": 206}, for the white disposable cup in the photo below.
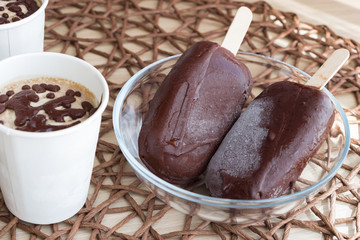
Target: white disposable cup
{"x": 45, "y": 177}
{"x": 25, "y": 35}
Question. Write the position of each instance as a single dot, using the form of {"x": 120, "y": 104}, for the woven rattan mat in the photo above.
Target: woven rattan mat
{"x": 120, "y": 37}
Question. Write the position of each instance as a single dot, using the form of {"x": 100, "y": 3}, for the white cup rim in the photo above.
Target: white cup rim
{"x": 97, "y": 114}
{"x": 27, "y": 19}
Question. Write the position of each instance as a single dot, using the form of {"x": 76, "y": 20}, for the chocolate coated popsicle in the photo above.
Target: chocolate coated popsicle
{"x": 270, "y": 144}
{"x": 191, "y": 112}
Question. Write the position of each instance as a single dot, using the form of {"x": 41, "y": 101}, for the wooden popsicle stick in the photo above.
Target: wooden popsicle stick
{"x": 237, "y": 30}
{"x": 331, "y": 66}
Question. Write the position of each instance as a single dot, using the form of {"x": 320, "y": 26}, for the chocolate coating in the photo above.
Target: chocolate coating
{"x": 191, "y": 112}
{"x": 270, "y": 144}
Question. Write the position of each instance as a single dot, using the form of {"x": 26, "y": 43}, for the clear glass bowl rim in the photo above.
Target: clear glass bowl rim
{"x": 208, "y": 200}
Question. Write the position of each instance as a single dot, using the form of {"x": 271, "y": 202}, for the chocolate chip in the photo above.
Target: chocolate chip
{"x": 87, "y": 106}
{"x": 2, "y": 20}
{"x": 26, "y": 87}
{"x": 5, "y": 15}
{"x": 78, "y": 94}
{"x": 32, "y": 97}
{"x": 78, "y": 114}
{"x": 66, "y": 105}
{"x": 37, "y": 88}
{"x": 52, "y": 88}
{"x": 3, "y": 98}
{"x": 14, "y": 8}
{"x": 20, "y": 14}
{"x": 70, "y": 93}
{"x": 50, "y": 95}
{"x": 10, "y": 93}
{"x": 2, "y": 8}
{"x": 15, "y": 19}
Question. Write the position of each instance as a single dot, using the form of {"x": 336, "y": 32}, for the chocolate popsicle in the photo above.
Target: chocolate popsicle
{"x": 191, "y": 112}
{"x": 270, "y": 144}
{"x": 268, "y": 147}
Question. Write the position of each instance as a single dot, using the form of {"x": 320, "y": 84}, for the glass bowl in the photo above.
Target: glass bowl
{"x": 132, "y": 103}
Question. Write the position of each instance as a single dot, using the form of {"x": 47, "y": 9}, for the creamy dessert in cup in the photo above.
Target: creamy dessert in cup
{"x": 45, "y": 176}
{"x": 22, "y": 25}
{"x": 45, "y": 104}
{"x": 15, "y": 10}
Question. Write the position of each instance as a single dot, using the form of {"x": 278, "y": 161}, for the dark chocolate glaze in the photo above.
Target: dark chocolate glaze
{"x": 30, "y": 5}
{"x": 191, "y": 112}
{"x": 27, "y": 117}
{"x": 268, "y": 147}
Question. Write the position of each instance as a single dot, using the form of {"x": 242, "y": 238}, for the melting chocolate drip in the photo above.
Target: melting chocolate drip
{"x": 27, "y": 117}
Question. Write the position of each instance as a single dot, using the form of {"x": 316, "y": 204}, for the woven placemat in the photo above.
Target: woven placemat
{"x": 120, "y": 37}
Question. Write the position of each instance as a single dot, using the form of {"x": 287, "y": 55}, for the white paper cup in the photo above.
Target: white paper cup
{"x": 45, "y": 177}
{"x": 25, "y": 35}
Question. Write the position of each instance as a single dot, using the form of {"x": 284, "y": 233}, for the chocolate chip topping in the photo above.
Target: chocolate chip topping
{"x": 27, "y": 117}
{"x": 10, "y": 93}
{"x": 70, "y": 93}
{"x": 50, "y": 87}
{"x": 38, "y": 89}
{"x": 3, "y": 98}
{"x": 26, "y": 87}
{"x": 13, "y": 7}
{"x": 87, "y": 106}
{"x": 50, "y": 95}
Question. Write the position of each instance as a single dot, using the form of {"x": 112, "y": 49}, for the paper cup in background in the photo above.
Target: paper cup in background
{"x": 25, "y": 35}
{"x": 45, "y": 177}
